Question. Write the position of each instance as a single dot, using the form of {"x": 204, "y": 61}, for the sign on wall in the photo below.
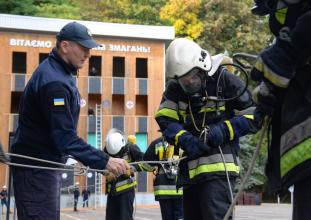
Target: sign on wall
{"x": 104, "y": 47}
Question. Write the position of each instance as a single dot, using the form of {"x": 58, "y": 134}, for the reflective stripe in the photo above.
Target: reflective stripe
{"x": 168, "y": 104}
{"x": 126, "y": 184}
{"x": 177, "y": 136}
{"x": 166, "y": 190}
{"x": 280, "y": 15}
{"x": 295, "y": 135}
{"x": 167, "y": 113}
{"x": 209, "y": 160}
{"x": 212, "y": 109}
{"x": 270, "y": 75}
{"x": 182, "y": 106}
{"x": 183, "y": 114}
{"x": 247, "y": 111}
{"x": 249, "y": 117}
{"x": 216, "y": 167}
{"x": 230, "y": 128}
{"x": 295, "y": 156}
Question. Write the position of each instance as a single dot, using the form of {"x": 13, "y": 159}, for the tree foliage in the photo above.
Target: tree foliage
{"x": 229, "y": 25}
{"x": 44, "y": 8}
{"x": 58, "y": 9}
{"x": 257, "y": 179}
{"x": 184, "y": 16}
{"x": 123, "y": 11}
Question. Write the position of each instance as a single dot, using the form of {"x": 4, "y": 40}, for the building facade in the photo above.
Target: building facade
{"x": 121, "y": 84}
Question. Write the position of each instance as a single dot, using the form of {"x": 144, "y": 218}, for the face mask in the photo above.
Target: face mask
{"x": 191, "y": 82}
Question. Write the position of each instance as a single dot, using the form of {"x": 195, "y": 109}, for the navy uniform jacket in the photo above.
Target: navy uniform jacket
{"x": 48, "y": 117}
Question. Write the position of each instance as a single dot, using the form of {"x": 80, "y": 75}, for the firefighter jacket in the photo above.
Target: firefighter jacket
{"x": 131, "y": 153}
{"x": 164, "y": 184}
{"x": 286, "y": 64}
{"x": 175, "y": 109}
{"x": 291, "y": 25}
{"x": 289, "y": 158}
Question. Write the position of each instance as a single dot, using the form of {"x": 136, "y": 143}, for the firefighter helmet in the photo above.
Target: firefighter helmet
{"x": 183, "y": 55}
{"x": 115, "y": 141}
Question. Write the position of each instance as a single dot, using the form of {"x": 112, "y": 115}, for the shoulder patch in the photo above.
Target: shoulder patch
{"x": 59, "y": 101}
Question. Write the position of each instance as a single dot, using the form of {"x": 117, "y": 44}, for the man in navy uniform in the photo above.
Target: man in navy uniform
{"x": 47, "y": 126}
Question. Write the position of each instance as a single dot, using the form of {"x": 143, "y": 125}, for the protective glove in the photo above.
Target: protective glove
{"x": 218, "y": 135}
{"x": 192, "y": 145}
{"x": 171, "y": 131}
{"x": 264, "y": 98}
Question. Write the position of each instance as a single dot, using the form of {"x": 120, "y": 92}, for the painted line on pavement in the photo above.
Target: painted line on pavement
{"x": 72, "y": 217}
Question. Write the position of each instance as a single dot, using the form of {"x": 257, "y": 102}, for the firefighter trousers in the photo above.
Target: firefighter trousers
{"x": 120, "y": 207}
{"x": 171, "y": 209}
{"x": 208, "y": 200}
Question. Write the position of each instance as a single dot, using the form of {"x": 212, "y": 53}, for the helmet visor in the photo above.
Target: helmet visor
{"x": 191, "y": 82}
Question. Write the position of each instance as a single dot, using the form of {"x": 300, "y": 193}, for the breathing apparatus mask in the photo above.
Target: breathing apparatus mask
{"x": 192, "y": 82}
{"x": 190, "y": 65}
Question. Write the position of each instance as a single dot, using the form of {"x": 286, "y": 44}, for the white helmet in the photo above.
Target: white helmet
{"x": 115, "y": 141}
{"x": 182, "y": 55}
{"x": 4, "y": 187}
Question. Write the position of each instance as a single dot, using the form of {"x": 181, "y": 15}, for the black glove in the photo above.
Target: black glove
{"x": 264, "y": 97}
{"x": 218, "y": 135}
{"x": 192, "y": 145}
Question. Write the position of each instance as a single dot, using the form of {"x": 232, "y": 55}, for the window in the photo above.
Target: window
{"x": 95, "y": 66}
{"x": 141, "y": 105}
{"x": 141, "y": 68}
{"x": 43, "y": 56}
{"x": 118, "y": 67}
{"x": 15, "y": 100}
{"x": 19, "y": 62}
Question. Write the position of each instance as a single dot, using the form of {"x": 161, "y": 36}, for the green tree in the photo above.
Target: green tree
{"x": 123, "y": 11}
{"x": 257, "y": 179}
{"x": 25, "y": 7}
{"x": 58, "y": 9}
{"x": 45, "y": 8}
{"x": 229, "y": 25}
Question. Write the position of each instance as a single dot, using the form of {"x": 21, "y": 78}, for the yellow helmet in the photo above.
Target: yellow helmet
{"x": 131, "y": 139}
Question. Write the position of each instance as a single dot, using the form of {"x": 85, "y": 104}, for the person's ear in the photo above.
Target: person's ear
{"x": 64, "y": 45}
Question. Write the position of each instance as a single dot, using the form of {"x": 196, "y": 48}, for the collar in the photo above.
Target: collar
{"x": 70, "y": 69}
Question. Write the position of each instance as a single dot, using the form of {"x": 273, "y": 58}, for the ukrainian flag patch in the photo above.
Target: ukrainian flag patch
{"x": 59, "y": 101}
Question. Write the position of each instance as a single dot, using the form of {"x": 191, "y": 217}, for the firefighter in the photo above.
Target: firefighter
{"x": 121, "y": 189}
{"x": 164, "y": 184}
{"x": 194, "y": 116}
{"x": 283, "y": 72}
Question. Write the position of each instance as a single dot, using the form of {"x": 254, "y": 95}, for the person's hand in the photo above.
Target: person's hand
{"x": 193, "y": 147}
{"x": 117, "y": 166}
{"x": 217, "y": 135}
{"x": 111, "y": 177}
{"x": 264, "y": 98}
{"x": 171, "y": 130}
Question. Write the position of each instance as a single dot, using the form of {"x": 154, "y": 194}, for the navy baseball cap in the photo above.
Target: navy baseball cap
{"x": 78, "y": 33}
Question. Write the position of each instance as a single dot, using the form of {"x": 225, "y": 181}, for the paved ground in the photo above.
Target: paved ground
{"x": 262, "y": 212}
